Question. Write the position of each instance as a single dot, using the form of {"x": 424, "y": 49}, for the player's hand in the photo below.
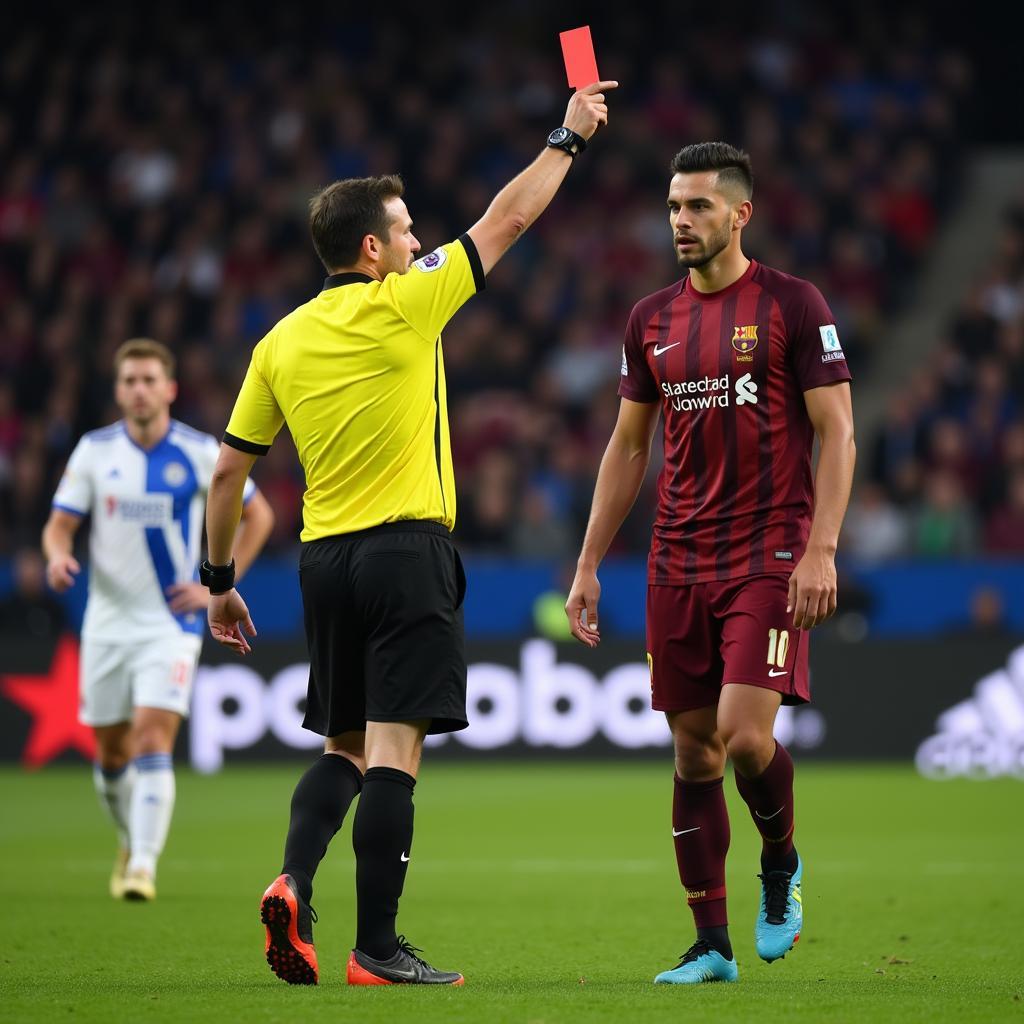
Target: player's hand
{"x": 187, "y": 597}
{"x": 587, "y": 110}
{"x": 812, "y": 589}
{"x": 581, "y": 608}
{"x": 229, "y": 620}
{"x": 61, "y": 572}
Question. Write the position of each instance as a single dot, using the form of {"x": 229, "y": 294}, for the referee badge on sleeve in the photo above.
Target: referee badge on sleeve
{"x": 432, "y": 261}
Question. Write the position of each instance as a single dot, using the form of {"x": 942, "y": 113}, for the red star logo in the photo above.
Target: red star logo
{"x": 52, "y": 700}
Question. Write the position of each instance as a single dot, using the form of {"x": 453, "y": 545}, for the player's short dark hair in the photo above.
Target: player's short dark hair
{"x": 733, "y": 165}
{"x": 345, "y": 212}
{"x": 144, "y": 348}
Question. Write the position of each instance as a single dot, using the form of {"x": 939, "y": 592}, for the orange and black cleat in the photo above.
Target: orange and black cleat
{"x": 404, "y": 968}
{"x": 289, "y": 920}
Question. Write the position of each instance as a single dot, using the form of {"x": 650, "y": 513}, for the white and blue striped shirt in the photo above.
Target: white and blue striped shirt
{"x": 147, "y": 523}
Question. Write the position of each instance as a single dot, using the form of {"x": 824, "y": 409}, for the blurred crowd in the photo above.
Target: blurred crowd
{"x": 947, "y": 466}
{"x": 155, "y": 171}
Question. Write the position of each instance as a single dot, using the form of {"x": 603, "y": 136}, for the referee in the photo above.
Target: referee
{"x": 357, "y": 375}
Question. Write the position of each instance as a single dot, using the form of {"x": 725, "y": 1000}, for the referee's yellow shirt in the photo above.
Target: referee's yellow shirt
{"x": 357, "y": 375}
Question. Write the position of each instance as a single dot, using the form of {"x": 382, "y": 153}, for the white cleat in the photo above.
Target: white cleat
{"x": 138, "y": 886}
{"x": 118, "y": 874}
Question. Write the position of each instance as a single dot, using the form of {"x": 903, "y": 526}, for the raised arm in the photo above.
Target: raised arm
{"x": 619, "y": 479}
{"x": 527, "y": 195}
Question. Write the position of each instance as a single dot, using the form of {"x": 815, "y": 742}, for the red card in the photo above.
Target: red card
{"x": 580, "y": 62}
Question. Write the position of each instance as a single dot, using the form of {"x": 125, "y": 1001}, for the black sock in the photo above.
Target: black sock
{"x": 319, "y": 804}
{"x": 717, "y": 938}
{"x": 382, "y": 840}
{"x": 772, "y": 861}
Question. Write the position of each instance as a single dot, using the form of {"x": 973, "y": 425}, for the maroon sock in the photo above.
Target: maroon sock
{"x": 700, "y": 830}
{"x": 770, "y": 799}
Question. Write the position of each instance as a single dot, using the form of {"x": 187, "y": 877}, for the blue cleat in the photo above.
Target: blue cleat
{"x": 699, "y": 963}
{"x": 781, "y": 915}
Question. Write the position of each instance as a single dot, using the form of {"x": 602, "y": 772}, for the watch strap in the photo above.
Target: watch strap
{"x": 571, "y": 142}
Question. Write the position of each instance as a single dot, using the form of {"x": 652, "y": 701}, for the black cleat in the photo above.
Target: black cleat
{"x": 404, "y": 968}
{"x": 289, "y": 920}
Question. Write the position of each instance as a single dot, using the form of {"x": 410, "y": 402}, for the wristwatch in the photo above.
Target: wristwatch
{"x": 218, "y": 579}
{"x": 567, "y": 139}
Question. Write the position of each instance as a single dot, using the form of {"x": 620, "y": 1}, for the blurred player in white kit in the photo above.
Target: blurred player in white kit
{"x": 143, "y": 481}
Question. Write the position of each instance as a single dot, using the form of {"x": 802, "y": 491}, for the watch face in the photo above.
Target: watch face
{"x": 558, "y": 136}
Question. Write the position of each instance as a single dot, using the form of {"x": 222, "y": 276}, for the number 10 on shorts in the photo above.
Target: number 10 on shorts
{"x": 778, "y": 647}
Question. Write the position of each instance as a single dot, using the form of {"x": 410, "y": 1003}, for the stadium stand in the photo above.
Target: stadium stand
{"x": 156, "y": 175}
{"x": 947, "y": 464}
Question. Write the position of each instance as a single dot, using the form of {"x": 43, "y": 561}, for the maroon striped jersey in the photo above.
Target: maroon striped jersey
{"x": 735, "y": 495}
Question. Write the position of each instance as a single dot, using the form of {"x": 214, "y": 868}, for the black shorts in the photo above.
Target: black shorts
{"x": 383, "y": 615}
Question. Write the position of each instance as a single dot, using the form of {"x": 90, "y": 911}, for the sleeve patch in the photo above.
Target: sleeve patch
{"x": 829, "y": 338}
{"x": 432, "y": 261}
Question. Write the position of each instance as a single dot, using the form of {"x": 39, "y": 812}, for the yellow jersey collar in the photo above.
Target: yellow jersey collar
{"x": 336, "y": 280}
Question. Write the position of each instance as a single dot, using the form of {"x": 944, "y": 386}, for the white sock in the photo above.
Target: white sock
{"x": 114, "y": 788}
{"x": 152, "y": 806}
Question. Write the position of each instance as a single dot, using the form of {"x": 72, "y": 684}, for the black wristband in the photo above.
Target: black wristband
{"x": 218, "y": 579}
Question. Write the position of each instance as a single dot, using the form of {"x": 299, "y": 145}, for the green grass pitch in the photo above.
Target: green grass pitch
{"x": 552, "y": 887}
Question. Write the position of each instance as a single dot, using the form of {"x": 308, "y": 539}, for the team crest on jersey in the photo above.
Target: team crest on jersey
{"x": 744, "y": 340}
{"x": 175, "y": 474}
{"x": 432, "y": 261}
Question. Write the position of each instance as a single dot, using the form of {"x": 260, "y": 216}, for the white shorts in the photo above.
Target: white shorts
{"x": 115, "y": 678}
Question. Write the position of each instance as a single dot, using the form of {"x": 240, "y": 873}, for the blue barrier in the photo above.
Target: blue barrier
{"x": 905, "y": 598}
{"x": 930, "y": 597}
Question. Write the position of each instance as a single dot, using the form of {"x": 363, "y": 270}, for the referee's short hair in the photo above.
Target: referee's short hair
{"x": 735, "y": 171}
{"x": 344, "y": 213}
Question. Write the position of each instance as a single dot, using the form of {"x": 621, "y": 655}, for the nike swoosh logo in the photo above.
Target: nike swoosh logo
{"x": 408, "y": 974}
{"x": 768, "y": 817}
{"x": 402, "y": 973}
{"x": 404, "y": 859}
{"x": 658, "y": 351}
{"x": 781, "y": 672}
{"x": 683, "y": 831}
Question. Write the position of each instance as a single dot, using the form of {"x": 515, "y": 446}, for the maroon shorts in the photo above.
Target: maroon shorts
{"x": 702, "y": 636}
